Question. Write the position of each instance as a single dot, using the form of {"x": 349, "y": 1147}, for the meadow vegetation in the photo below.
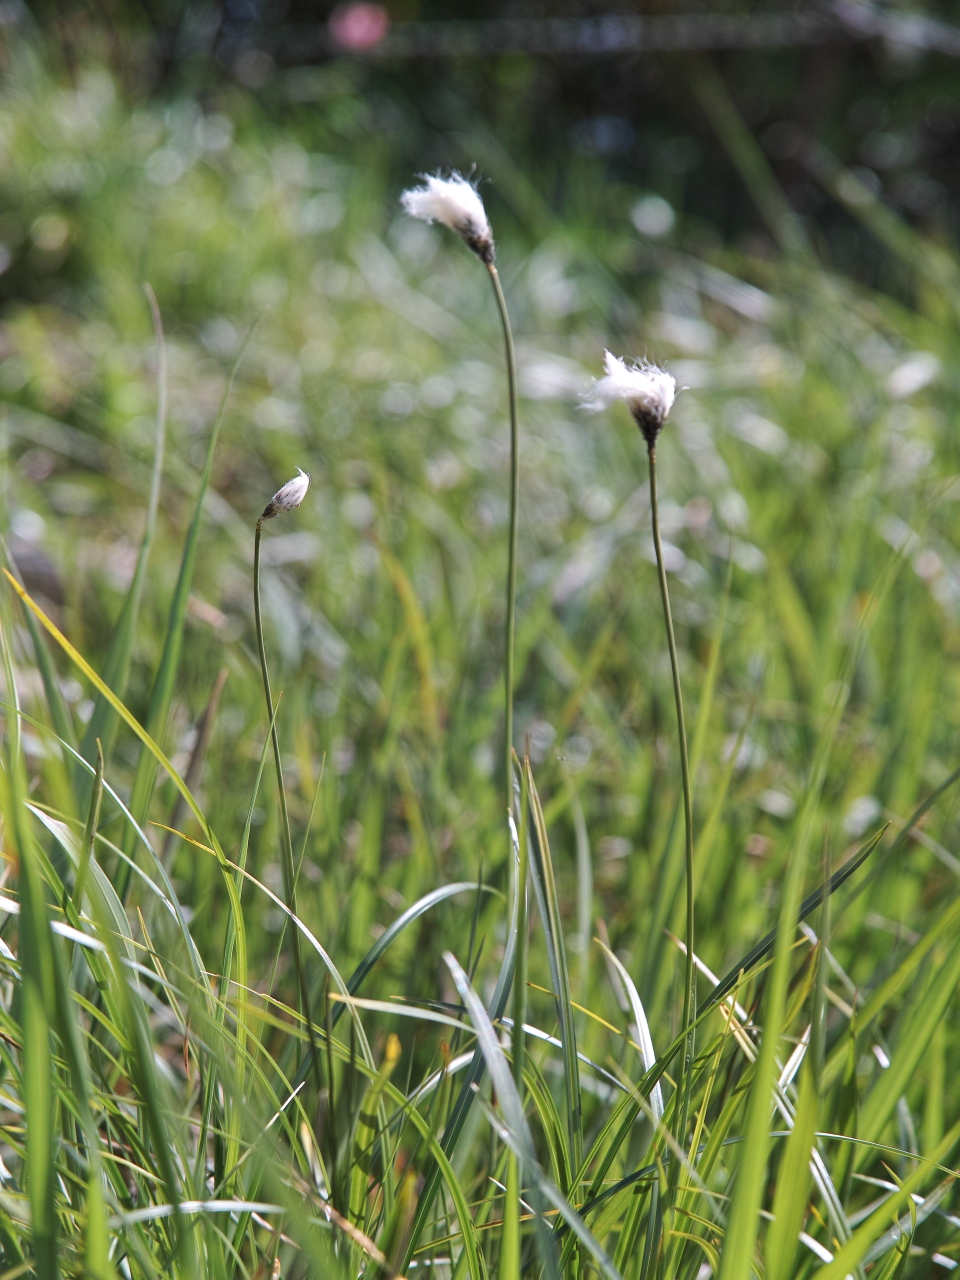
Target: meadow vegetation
{"x": 164, "y": 1108}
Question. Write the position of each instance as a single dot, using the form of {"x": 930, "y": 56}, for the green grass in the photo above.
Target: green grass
{"x": 164, "y": 1108}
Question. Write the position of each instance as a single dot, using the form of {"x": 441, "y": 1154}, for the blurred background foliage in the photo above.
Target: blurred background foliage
{"x": 874, "y": 84}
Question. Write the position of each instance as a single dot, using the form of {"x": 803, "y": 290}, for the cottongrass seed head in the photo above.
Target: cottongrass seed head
{"x": 649, "y": 393}
{"x": 289, "y": 497}
{"x": 456, "y": 203}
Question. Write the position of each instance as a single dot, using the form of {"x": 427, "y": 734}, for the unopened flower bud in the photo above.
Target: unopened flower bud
{"x": 289, "y": 497}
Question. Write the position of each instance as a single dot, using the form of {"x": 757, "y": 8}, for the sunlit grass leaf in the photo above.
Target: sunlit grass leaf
{"x": 793, "y": 1181}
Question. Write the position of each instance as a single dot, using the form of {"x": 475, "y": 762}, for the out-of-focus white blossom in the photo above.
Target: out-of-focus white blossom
{"x": 648, "y": 392}
{"x": 289, "y": 497}
{"x": 456, "y": 203}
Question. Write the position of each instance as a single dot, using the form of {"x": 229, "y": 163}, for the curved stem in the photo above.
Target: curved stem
{"x": 514, "y": 518}
{"x": 689, "y": 972}
{"x": 511, "y": 1209}
{"x": 287, "y": 860}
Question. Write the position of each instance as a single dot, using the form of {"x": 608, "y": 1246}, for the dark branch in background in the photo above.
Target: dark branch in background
{"x": 844, "y": 21}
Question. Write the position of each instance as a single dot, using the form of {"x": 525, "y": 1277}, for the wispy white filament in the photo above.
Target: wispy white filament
{"x": 649, "y": 392}
{"x": 289, "y": 497}
{"x": 456, "y": 203}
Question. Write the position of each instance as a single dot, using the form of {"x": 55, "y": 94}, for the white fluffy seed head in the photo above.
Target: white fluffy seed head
{"x": 456, "y": 203}
{"x": 289, "y": 497}
{"x": 648, "y": 392}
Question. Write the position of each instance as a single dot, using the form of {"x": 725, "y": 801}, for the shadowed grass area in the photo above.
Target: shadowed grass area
{"x": 165, "y": 1109}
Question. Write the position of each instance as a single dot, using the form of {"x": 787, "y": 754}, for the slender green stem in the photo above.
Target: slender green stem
{"x": 514, "y": 517}
{"x": 287, "y": 861}
{"x": 520, "y": 973}
{"x": 510, "y": 1238}
{"x": 689, "y": 1005}
{"x": 510, "y": 1244}
{"x": 89, "y": 831}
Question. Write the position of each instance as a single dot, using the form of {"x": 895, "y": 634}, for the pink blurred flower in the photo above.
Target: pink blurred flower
{"x": 359, "y": 26}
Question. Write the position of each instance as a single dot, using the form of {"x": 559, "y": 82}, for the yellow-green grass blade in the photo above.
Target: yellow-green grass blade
{"x": 97, "y": 1264}
{"x": 688, "y": 1198}
{"x": 793, "y": 1182}
{"x": 51, "y": 687}
{"x": 116, "y": 670}
{"x": 153, "y": 749}
{"x": 366, "y": 1132}
{"x": 397, "y": 1226}
{"x": 743, "y": 1223}
{"x": 896, "y": 1265}
{"x": 508, "y": 1266}
{"x": 160, "y": 759}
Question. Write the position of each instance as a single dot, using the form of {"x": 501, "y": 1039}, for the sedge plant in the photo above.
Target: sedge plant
{"x": 287, "y": 498}
{"x": 166, "y": 1136}
{"x": 456, "y": 203}
{"x": 649, "y": 393}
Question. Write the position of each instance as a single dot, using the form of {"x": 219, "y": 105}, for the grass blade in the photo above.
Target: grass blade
{"x": 161, "y": 693}
{"x": 856, "y": 1249}
{"x": 366, "y": 1134}
{"x": 390, "y": 934}
{"x": 37, "y": 997}
{"x": 90, "y": 830}
{"x": 37, "y": 993}
{"x": 742, "y": 1229}
{"x": 116, "y": 670}
{"x": 468, "y": 1089}
{"x": 809, "y": 904}
{"x": 51, "y": 687}
{"x": 790, "y": 1199}
{"x": 508, "y": 1097}
{"x": 546, "y": 885}
{"x": 914, "y": 1039}
{"x": 647, "y": 1054}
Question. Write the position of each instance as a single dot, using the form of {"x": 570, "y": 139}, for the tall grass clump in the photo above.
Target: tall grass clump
{"x": 280, "y": 995}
